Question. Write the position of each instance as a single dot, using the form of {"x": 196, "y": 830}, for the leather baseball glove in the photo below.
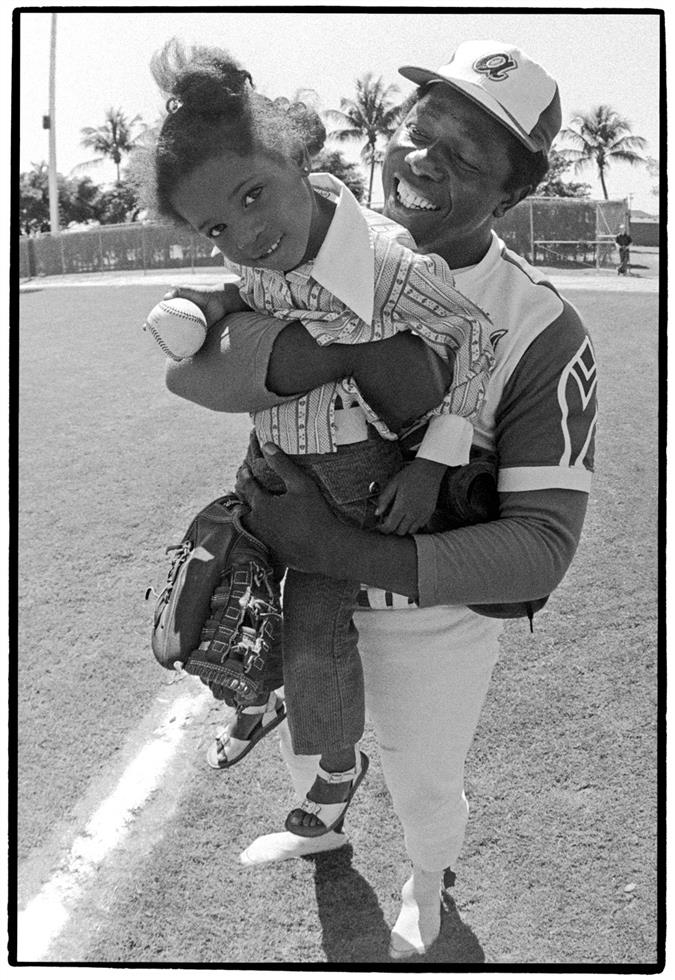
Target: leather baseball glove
{"x": 219, "y": 614}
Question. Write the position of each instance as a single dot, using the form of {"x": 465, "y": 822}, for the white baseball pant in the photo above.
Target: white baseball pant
{"x": 427, "y": 673}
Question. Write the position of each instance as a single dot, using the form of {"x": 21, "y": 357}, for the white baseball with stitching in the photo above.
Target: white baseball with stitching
{"x": 178, "y": 326}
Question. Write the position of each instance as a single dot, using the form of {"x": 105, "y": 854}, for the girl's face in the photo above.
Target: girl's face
{"x": 258, "y": 210}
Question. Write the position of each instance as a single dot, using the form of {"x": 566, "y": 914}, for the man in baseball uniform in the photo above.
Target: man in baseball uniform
{"x": 472, "y": 145}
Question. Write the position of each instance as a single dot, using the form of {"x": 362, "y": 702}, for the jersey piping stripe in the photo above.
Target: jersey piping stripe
{"x": 374, "y": 598}
{"x": 591, "y": 430}
{"x": 513, "y": 259}
{"x": 522, "y": 478}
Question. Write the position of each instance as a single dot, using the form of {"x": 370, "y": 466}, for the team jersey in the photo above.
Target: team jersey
{"x": 540, "y": 409}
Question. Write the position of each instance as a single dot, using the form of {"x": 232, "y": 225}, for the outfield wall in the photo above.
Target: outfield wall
{"x": 545, "y": 230}
{"x": 645, "y": 233}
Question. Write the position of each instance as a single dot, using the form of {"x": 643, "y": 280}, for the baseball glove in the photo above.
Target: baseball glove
{"x": 219, "y": 614}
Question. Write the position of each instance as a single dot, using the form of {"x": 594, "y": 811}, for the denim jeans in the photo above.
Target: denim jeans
{"x": 323, "y": 677}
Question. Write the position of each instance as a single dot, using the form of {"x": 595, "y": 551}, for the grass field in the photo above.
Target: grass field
{"x": 562, "y": 775}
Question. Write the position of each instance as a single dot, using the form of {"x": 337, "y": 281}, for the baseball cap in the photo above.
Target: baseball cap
{"x": 504, "y": 81}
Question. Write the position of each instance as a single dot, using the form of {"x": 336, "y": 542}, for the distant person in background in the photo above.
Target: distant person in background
{"x": 624, "y": 241}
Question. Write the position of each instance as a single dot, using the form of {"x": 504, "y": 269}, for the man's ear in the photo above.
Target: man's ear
{"x": 510, "y": 200}
{"x": 301, "y": 157}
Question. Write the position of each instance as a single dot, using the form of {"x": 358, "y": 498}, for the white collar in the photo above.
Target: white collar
{"x": 345, "y": 263}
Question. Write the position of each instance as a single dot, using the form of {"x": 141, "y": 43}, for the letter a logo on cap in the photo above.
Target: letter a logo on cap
{"x": 525, "y": 99}
{"x": 495, "y": 66}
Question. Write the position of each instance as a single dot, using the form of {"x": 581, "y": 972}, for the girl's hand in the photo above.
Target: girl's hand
{"x": 410, "y": 497}
{"x": 298, "y": 525}
{"x": 215, "y": 302}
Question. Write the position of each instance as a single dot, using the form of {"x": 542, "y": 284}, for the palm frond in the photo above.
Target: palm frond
{"x": 344, "y": 135}
{"x": 627, "y": 156}
{"x": 96, "y": 162}
{"x": 600, "y": 137}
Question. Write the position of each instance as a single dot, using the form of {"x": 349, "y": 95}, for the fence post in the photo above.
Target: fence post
{"x": 143, "y": 259}
{"x": 30, "y": 254}
{"x": 192, "y": 253}
{"x": 63, "y": 258}
{"x": 597, "y": 239}
{"x": 532, "y": 233}
{"x": 100, "y": 251}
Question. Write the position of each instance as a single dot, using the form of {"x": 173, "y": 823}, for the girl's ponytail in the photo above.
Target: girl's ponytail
{"x": 212, "y": 106}
{"x": 203, "y": 81}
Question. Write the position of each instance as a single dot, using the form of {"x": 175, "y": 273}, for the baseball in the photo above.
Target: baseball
{"x": 178, "y": 326}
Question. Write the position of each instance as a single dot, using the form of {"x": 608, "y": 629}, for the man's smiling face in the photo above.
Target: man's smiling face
{"x": 444, "y": 174}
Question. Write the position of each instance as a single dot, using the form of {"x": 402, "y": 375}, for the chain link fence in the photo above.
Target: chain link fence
{"x": 545, "y": 230}
{"x": 562, "y": 231}
{"x": 114, "y": 248}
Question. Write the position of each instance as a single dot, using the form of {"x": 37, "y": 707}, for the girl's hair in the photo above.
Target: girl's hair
{"x": 212, "y": 107}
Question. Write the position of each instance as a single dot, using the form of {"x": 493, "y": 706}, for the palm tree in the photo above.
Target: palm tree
{"x": 370, "y": 115}
{"x": 601, "y": 137}
{"x": 112, "y": 139}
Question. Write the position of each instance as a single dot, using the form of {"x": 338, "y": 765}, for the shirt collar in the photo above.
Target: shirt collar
{"x": 345, "y": 263}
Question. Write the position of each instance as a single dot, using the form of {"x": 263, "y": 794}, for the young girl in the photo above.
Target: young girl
{"x": 235, "y": 166}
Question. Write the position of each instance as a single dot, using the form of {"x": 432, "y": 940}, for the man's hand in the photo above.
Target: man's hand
{"x": 305, "y": 534}
{"x": 215, "y": 302}
{"x": 410, "y": 497}
{"x": 298, "y": 526}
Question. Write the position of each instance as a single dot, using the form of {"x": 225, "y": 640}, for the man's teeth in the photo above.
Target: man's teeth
{"x": 409, "y": 198}
{"x": 272, "y": 249}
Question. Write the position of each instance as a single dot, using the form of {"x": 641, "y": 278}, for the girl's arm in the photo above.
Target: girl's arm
{"x": 251, "y": 361}
{"x": 230, "y": 372}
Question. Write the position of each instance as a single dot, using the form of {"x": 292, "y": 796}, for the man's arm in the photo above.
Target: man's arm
{"x": 523, "y": 555}
{"x": 251, "y": 361}
{"x": 545, "y": 439}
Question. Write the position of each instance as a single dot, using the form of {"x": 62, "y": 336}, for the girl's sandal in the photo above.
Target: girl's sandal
{"x": 230, "y": 747}
{"x": 329, "y": 814}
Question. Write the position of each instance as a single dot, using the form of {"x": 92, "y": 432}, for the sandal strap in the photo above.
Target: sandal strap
{"x": 309, "y": 806}
{"x": 224, "y": 736}
{"x": 261, "y": 709}
{"x": 342, "y": 777}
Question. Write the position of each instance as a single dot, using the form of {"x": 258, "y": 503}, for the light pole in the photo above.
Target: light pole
{"x": 53, "y": 186}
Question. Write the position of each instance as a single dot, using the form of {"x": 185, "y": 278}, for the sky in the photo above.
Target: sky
{"x": 102, "y": 61}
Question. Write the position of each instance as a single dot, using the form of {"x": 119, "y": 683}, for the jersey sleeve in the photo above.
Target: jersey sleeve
{"x": 229, "y": 373}
{"x": 545, "y": 425}
{"x": 522, "y": 556}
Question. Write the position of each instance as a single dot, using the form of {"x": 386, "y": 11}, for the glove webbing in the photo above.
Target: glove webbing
{"x": 226, "y": 653}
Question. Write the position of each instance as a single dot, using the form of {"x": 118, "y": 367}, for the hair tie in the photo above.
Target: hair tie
{"x": 173, "y": 104}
